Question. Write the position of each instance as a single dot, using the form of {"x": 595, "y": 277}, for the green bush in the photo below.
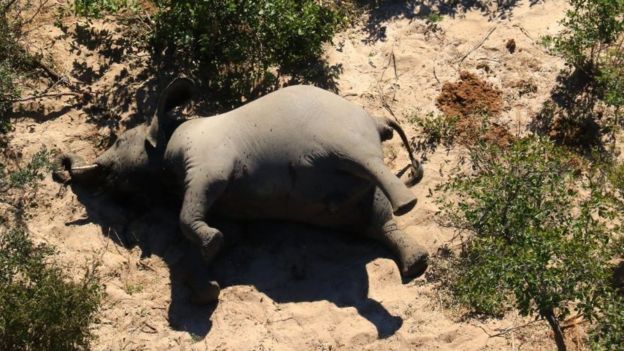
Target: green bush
{"x": 96, "y": 8}
{"x": 9, "y": 57}
{"x": 540, "y": 237}
{"x": 592, "y": 42}
{"x": 8, "y": 92}
{"x": 240, "y": 48}
{"x": 40, "y": 308}
{"x": 592, "y": 28}
{"x": 436, "y": 130}
{"x": 33, "y": 172}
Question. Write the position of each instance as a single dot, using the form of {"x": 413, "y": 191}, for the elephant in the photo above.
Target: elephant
{"x": 298, "y": 154}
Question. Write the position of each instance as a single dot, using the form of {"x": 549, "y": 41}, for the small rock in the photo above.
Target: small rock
{"x": 511, "y": 46}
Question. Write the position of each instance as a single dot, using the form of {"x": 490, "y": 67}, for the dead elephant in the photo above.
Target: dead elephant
{"x": 299, "y": 154}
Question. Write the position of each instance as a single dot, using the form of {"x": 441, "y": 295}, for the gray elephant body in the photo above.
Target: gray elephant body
{"x": 299, "y": 154}
{"x": 290, "y": 155}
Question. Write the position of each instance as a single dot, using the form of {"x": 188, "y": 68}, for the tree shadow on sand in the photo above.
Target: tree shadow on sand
{"x": 381, "y": 11}
{"x": 287, "y": 262}
{"x": 571, "y": 117}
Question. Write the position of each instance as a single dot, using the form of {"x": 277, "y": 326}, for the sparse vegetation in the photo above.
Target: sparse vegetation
{"x": 41, "y": 307}
{"x": 436, "y": 129}
{"x": 537, "y": 236}
{"x": 9, "y": 58}
{"x": 537, "y": 223}
{"x": 97, "y": 8}
{"x": 592, "y": 44}
{"x": 32, "y": 173}
{"x": 241, "y": 49}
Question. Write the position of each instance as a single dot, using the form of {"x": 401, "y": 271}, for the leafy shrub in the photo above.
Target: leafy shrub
{"x": 436, "y": 130}
{"x": 8, "y": 92}
{"x": 240, "y": 48}
{"x": 592, "y": 43}
{"x": 96, "y": 8}
{"x": 608, "y": 334}
{"x": 536, "y": 244}
{"x": 33, "y": 171}
{"x": 592, "y": 30}
{"x": 40, "y": 308}
{"x": 9, "y": 53}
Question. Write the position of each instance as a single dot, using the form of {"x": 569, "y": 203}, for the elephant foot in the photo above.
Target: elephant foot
{"x": 413, "y": 261}
{"x": 206, "y": 293}
{"x": 413, "y": 258}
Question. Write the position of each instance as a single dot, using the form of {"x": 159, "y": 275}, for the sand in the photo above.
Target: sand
{"x": 285, "y": 287}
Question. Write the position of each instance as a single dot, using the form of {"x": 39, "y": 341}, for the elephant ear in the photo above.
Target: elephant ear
{"x": 177, "y": 93}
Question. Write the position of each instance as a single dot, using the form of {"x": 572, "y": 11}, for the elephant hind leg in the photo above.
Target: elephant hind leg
{"x": 412, "y": 257}
{"x": 401, "y": 198}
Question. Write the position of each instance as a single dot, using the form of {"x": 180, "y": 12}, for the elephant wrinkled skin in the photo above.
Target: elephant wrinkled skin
{"x": 299, "y": 154}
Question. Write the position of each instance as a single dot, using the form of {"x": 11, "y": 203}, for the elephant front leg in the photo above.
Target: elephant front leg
{"x": 198, "y": 199}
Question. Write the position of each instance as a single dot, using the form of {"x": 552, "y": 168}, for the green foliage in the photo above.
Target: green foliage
{"x": 436, "y": 129}
{"x": 33, "y": 172}
{"x": 97, "y": 8}
{"x": 608, "y": 334}
{"x": 239, "y": 48}
{"x": 9, "y": 57}
{"x": 540, "y": 234}
{"x": 8, "y": 92}
{"x": 40, "y": 308}
{"x": 592, "y": 29}
{"x": 592, "y": 43}
{"x": 434, "y": 17}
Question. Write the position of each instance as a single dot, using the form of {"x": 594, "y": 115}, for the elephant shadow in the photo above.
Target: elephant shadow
{"x": 288, "y": 262}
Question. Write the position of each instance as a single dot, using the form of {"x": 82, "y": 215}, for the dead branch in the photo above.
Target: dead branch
{"x": 43, "y": 96}
{"x": 478, "y": 45}
{"x": 41, "y": 5}
{"x": 8, "y": 5}
{"x": 506, "y": 330}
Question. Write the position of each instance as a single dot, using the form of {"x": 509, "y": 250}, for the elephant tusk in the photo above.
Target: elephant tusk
{"x": 85, "y": 168}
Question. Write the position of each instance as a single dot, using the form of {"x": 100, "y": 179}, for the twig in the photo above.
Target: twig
{"x": 524, "y": 31}
{"x": 384, "y": 103}
{"x": 435, "y": 75}
{"x": 478, "y": 45}
{"x": 152, "y": 330}
{"x": 41, "y": 5}
{"x": 488, "y": 59}
{"x": 35, "y": 97}
{"x": 390, "y": 60}
{"x": 6, "y": 7}
{"x": 507, "y": 330}
{"x": 396, "y": 76}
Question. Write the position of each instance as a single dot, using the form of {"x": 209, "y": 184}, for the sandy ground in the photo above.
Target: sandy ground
{"x": 286, "y": 287}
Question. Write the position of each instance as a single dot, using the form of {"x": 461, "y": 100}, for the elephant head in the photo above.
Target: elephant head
{"x": 136, "y": 154}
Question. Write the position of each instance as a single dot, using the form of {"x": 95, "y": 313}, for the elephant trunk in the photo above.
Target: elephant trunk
{"x": 70, "y": 167}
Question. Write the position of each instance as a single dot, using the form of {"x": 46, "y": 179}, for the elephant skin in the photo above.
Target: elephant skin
{"x": 299, "y": 154}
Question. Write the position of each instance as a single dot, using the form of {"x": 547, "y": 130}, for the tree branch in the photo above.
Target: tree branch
{"x": 41, "y": 96}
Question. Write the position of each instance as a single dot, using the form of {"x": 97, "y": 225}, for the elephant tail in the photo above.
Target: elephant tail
{"x": 386, "y": 127}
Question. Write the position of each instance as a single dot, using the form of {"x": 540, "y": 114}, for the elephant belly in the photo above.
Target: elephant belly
{"x": 330, "y": 199}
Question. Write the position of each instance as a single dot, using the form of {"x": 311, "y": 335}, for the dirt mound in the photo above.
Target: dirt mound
{"x": 472, "y": 102}
{"x": 469, "y": 96}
